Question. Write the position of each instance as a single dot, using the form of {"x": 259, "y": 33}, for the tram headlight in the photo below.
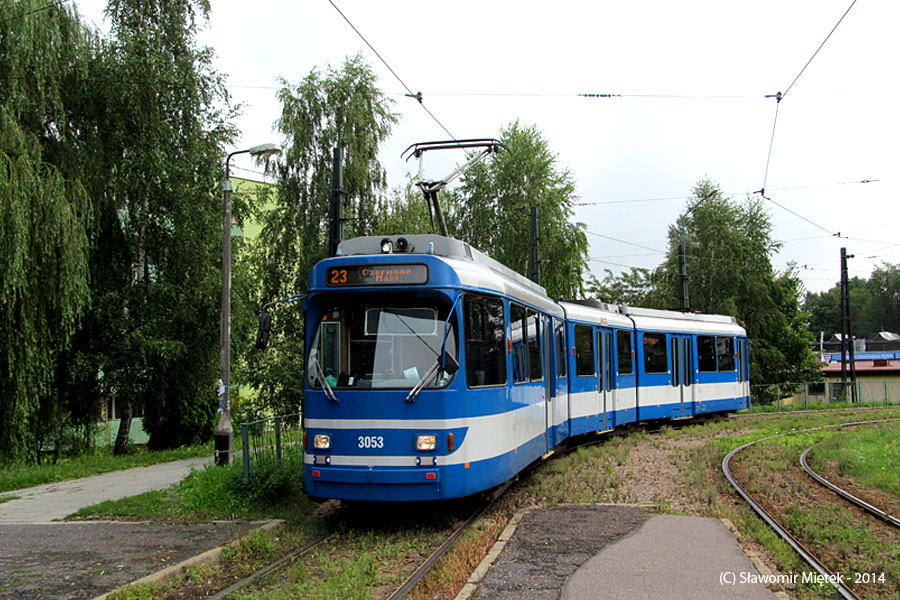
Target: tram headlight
{"x": 322, "y": 441}
{"x": 387, "y": 246}
{"x": 426, "y": 442}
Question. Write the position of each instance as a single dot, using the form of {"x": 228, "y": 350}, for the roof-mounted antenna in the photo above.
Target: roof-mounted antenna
{"x": 430, "y": 187}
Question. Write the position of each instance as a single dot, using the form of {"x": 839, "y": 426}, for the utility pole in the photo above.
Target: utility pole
{"x": 336, "y": 231}
{"x": 685, "y": 302}
{"x": 224, "y": 435}
{"x": 535, "y": 275}
{"x": 846, "y": 329}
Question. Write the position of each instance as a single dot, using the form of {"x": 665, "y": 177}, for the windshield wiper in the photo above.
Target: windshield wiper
{"x": 413, "y": 331}
{"x": 450, "y": 366}
{"x": 329, "y": 393}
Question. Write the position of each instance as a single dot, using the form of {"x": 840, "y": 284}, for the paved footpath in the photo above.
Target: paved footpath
{"x": 593, "y": 552}
{"x": 54, "y": 501}
{"x": 670, "y": 558}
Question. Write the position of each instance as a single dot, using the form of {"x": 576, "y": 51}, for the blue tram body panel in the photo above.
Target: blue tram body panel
{"x": 388, "y": 417}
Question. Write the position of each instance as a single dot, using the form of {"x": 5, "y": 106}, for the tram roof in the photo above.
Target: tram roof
{"x": 652, "y": 319}
{"x": 474, "y": 268}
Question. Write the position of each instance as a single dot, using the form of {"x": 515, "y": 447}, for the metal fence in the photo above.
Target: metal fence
{"x": 868, "y": 391}
{"x": 267, "y": 441}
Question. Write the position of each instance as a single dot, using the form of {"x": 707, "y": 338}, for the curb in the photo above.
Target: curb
{"x": 210, "y": 557}
{"x": 488, "y": 561}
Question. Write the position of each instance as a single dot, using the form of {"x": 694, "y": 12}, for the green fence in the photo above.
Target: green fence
{"x": 867, "y": 391}
{"x": 267, "y": 441}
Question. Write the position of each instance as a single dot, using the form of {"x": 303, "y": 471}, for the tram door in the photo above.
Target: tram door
{"x": 549, "y": 379}
{"x": 606, "y": 373}
{"x": 683, "y": 373}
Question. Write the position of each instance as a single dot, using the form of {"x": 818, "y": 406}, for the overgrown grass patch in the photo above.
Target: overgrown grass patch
{"x": 371, "y": 552}
{"x": 819, "y": 406}
{"x": 871, "y": 456}
{"x": 19, "y": 476}
{"x": 216, "y": 492}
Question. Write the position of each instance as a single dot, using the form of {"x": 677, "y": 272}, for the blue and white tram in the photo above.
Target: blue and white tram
{"x": 434, "y": 372}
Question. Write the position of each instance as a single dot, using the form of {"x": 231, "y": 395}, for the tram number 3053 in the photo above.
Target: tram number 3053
{"x": 370, "y": 441}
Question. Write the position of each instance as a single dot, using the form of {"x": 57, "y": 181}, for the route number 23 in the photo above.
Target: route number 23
{"x": 338, "y": 276}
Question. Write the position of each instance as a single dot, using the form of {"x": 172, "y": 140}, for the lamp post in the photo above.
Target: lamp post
{"x": 224, "y": 433}
{"x": 685, "y": 301}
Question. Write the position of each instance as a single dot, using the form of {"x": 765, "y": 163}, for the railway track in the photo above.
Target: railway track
{"x": 873, "y": 510}
{"x": 407, "y": 586}
{"x": 306, "y": 549}
{"x": 805, "y": 553}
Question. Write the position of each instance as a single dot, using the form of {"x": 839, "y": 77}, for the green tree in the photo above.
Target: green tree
{"x": 729, "y": 248}
{"x": 884, "y": 284}
{"x": 159, "y": 215}
{"x": 491, "y": 211}
{"x": 874, "y": 305}
{"x": 636, "y": 287}
{"x": 45, "y": 213}
{"x": 341, "y": 107}
{"x": 824, "y": 309}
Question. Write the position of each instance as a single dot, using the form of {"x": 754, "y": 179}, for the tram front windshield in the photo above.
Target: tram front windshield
{"x": 367, "y": 345}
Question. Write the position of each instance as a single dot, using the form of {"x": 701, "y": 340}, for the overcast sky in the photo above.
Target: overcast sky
{"x": 693, "y": 78}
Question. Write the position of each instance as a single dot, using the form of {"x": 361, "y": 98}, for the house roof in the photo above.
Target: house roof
{"x": 867, "y": 367}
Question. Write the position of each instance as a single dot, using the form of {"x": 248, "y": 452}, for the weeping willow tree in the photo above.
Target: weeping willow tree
{"x": 110, "y": 221}
{"x": 45, "y": 213}
{"x": 339, "y": 107}
{"x": 492, "y": 211}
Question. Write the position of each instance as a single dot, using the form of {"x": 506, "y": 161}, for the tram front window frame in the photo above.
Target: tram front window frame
{"x": 387, "y": 342}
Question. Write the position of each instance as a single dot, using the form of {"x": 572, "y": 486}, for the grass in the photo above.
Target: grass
{"x": 771, "y": 408}
{"x": 18, "y": 476}
{"x": 214, "y": 493}
{"x": 870, "y": 456}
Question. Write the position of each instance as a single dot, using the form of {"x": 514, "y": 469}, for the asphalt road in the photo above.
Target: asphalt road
{"x": 43, "y": 558}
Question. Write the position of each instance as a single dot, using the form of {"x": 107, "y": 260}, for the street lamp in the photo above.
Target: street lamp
{"x": 224, "y": 433}
{"x": 685, "y": 302}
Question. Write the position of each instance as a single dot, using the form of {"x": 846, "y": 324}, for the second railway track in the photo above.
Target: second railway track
{"x": 792, "y": 541}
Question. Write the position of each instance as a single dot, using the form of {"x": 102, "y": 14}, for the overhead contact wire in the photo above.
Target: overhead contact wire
{"x": 817, "y": 49}
{"x": 394, "y": 73}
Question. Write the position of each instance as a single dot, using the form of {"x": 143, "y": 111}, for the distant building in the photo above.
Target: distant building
{"x": 884, "y": 341}
{"x": 834, "y": 344}
{"x": 878, "y": 368}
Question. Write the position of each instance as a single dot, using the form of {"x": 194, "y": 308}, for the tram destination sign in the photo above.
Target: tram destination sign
{"x": 349, "y": 275}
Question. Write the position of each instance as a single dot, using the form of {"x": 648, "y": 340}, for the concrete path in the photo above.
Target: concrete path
{"x": 45, "y": 503}
{"x": 670, "y": 558}
{"x": 613, "y": 552}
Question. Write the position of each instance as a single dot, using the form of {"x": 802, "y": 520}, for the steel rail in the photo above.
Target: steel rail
{"x": 844, "y": 493}
{"x": 270, "y": 567}
{"x": 426, "y": 566}
{"x": 843, "y": 590}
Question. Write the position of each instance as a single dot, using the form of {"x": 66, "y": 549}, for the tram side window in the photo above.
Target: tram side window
{"x": 534, "y": 346}
{"x": 560, "y": 349}
{"x": 584, "y": 351}
{"x": 725, "y": 347}
{"x": 519, "y": 336}
{"x": 656, "y": 358}
{"x": 706, "y": 353}
{"x": 623, "y": 343}
{"x": 485, "y": 330}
